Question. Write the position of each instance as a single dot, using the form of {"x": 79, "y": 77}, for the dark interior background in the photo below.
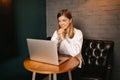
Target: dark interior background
{"x": 21, "y": 19}
{"x": 7, "y": 30}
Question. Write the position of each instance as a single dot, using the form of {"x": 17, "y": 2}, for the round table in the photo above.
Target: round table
{"x": 45, "y": 68}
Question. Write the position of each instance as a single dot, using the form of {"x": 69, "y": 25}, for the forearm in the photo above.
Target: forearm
{"x": 73, "y": 48}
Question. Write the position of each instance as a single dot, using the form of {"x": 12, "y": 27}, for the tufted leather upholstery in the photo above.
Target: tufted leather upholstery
{"x": 97, "y": 56}
{"x": 96, "y": 52}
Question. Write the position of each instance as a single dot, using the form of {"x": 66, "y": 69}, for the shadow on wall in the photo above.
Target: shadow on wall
{"x": 7, "y": 31}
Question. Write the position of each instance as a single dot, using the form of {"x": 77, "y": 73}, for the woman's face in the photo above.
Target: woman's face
{"x": 64, "y": 22}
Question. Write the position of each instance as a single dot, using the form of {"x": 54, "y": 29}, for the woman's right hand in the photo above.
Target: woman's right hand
{"x": 61, "y": 34}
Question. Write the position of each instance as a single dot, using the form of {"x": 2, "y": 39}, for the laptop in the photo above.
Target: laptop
{"x": 45, "y": 51}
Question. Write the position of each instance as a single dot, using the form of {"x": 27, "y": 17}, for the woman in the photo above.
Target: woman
{"x": 69, "y": 38}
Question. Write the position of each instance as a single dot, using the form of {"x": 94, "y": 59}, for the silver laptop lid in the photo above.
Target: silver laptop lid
{"x": 43, "y": 51}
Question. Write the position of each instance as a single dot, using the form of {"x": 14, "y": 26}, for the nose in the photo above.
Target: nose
{"x": 61, "y": 23}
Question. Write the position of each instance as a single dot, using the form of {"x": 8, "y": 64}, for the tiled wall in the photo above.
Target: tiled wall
{"x": 98, "y": 19}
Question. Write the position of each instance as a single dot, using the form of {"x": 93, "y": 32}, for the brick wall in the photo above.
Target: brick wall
{"x": 98, "y": 19}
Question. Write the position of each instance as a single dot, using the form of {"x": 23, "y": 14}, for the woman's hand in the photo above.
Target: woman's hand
{"x": 61, "y": 34}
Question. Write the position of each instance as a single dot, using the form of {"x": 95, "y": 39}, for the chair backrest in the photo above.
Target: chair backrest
{"x": 97, "y": 52}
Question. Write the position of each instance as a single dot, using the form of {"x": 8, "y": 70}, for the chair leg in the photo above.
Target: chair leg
{"x": 33, "y": 76}
{"x": 69, "y": 75}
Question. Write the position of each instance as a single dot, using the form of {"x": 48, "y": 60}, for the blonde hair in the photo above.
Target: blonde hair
{"x": 66, "y": 13}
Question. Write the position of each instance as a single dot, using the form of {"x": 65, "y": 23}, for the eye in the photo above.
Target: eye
{"x": 64, "y": 20}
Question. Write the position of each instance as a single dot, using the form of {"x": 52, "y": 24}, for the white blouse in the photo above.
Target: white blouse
{"x": 70, "y": 46}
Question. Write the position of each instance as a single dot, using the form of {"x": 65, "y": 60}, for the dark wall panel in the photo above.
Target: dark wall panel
{"x": 27, "y": 20}
{"x": 7, "y": 30}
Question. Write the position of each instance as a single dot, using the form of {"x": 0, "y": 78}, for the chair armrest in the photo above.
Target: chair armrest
{"x": 48, "y": 38}
{"x": 108, "y": 73}
{"x": 109, "y": 66}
